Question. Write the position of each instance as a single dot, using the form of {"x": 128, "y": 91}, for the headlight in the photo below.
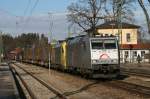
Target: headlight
{"x": 94, "y": 61}
{"x": 115, "y": 61}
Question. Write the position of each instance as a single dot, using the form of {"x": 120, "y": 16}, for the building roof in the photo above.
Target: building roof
{"x": 114, "y": 25}
{"x": 140, "y": 46}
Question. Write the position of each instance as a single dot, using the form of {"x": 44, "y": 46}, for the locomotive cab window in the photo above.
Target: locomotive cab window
{"x": 97, "y": 45}
{"x": 110, "y": 44}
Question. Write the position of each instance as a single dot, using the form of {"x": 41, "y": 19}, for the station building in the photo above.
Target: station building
{"x": 129, "y": 37}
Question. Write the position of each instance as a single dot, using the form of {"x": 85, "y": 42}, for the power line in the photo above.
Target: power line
{"x": 30, "y": 14}
{"x": 24, "y": 14}
{"x": 7, "y": 12}
{"x": 26, "y": 9}
{"x": 37, "y": 1}
{"x": 10, "y": 14}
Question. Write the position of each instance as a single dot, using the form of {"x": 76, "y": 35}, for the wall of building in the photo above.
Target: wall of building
{"x": 123, "y": 40}
{"x": 131, "y": 57}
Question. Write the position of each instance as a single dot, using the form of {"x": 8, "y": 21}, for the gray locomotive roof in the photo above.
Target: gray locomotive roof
{"x": 103, "y": 37}
{"x": 74, "y": 40}
{"x": 79, "y": 38}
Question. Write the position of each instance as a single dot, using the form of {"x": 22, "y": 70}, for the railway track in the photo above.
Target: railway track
{"x": 126, "y": 72}
{"x": 133, "y": 88}
{"x": 119, "y": 84}
{"x": 32, "y": 95}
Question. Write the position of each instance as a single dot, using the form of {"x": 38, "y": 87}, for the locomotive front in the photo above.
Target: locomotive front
{"x": 105, "y": 56}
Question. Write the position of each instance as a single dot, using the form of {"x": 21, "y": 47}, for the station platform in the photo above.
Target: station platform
{"x": 8, "y": 89}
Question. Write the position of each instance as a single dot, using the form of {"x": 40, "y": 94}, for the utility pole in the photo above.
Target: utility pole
{"x": 51, "y": 41}
{"x": 50, "y": 26}
{"x": 69, "y": 30}
{"x": 119, "y": 21}
{"x": 1, "y": 47}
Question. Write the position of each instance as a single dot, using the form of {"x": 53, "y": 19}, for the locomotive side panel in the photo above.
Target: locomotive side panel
{"x": 86, "y": 54}
{"x": 70, "y": 54}
{"x": 83, "y": 59}
{"x": 78, "y": 54}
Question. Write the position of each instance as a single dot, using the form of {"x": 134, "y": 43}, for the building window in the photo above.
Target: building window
{"x": 134, "y": 53}
{"x": 116, "y": 34}
{"x": 106, "y": 35}
{"x": 128, "y": 37}
{"x": 126, "y": 54}
{"x": 142, "y": 53}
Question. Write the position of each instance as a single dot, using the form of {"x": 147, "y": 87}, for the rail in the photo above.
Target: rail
{"x": 131, "y": 87}
{"x": 56, "y": 92}
{"x": 136, "y": 73}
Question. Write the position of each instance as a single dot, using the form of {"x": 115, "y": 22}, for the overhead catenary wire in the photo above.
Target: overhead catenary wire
{"x": 27, "y": 7}
{"x": 7, "y": 12}
{"x": 22, "y": 18}
{"x": 25, "y": 11}
{"x": 34, "y": 6}
{"x": 30, "y": 14}
{"x": 24, "y": 14}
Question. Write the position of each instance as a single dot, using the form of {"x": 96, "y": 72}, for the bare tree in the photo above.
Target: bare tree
{"x": 146, "y": 13}
{"x": 111, "y": 9}
{"x": 86, "y": 13}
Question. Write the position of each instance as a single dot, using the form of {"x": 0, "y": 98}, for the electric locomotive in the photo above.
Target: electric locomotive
{"x": 97, "y": 57}
{"x": 94, "y": 56}
{"x": 105, "y": 60}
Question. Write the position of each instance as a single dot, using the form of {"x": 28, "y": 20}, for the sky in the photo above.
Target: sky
{"x": 19, "y": 16}
{"x": 23, "y": 16}
{"x": 19, "y": 7}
